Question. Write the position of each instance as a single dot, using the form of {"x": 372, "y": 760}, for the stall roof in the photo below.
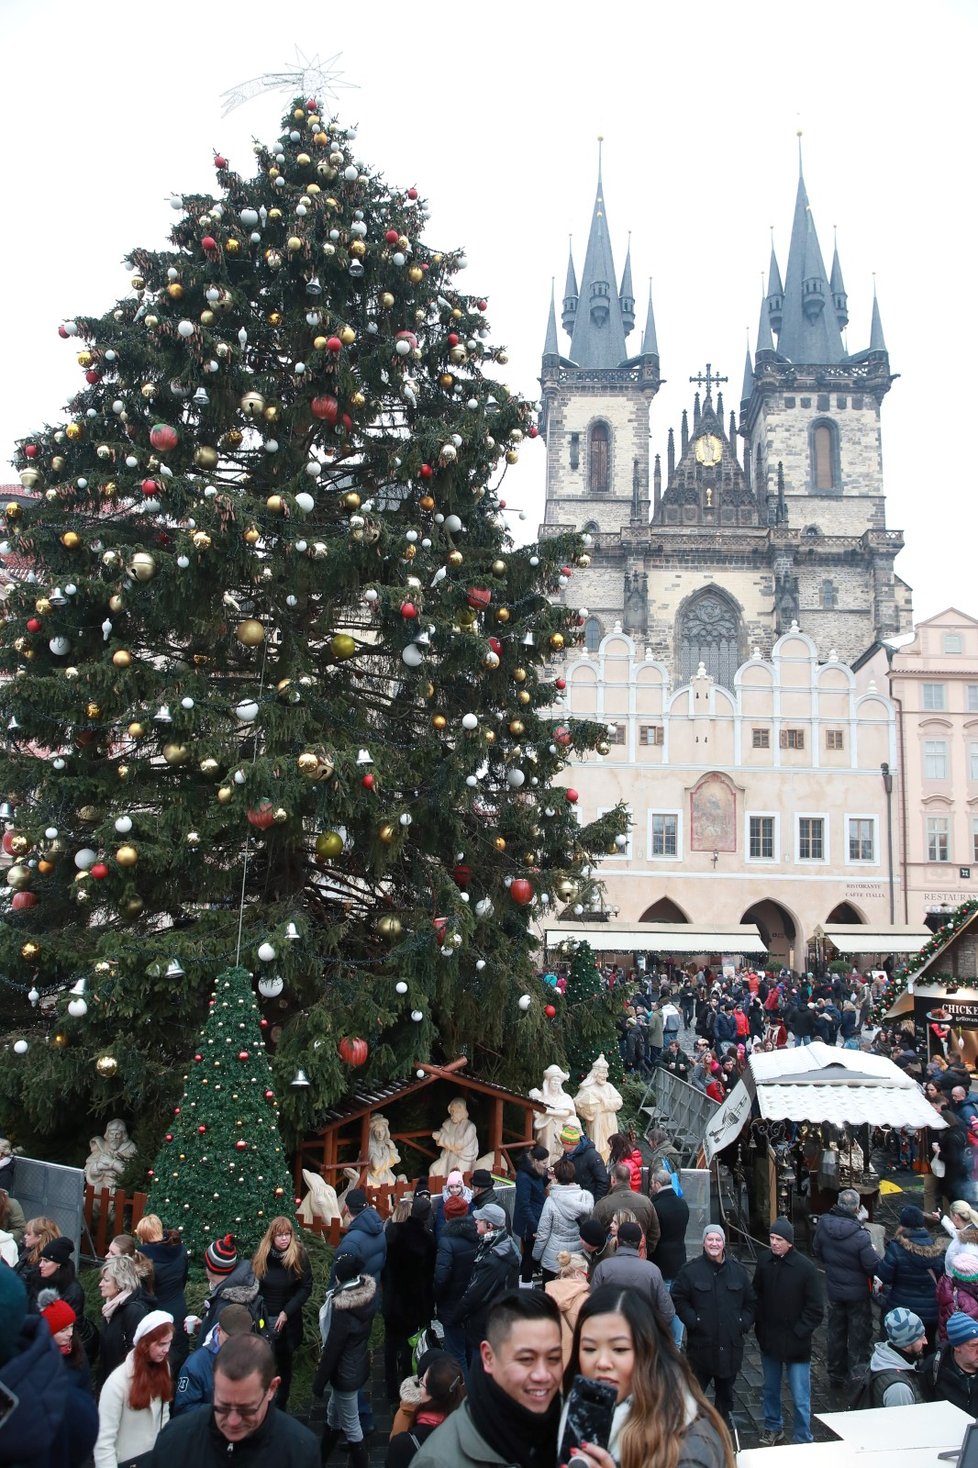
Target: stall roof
{"x": 883, "y": 938}
{"x": 820, "y": 1082}
{"x": 660, "y": 937}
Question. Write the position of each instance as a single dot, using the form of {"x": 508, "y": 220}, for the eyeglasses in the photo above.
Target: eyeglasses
{"x": 247, "y": 1414}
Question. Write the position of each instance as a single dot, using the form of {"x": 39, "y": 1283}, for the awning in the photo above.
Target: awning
{"x": 660, "y": 937}
{"x": 898, "y": 938}
{"x": 820, "y": 1082}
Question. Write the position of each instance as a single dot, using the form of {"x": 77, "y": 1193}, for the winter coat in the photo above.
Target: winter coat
{"x": 845, "y": 1250}
{"x": 628, "y": 1271}
{"x": 64, "y": 1280}
{"x": 622, "y": 1196}
{"x": 669, "y": 1254}
{"x": 237, "y": 1288}
{"x": 894, "y": 1381}
{"x": 634, "y": 1047}
{"x": 955, "y": 1294}
{"x": 409, "y": 1301}
{"x": 193, "y": 1441}
{"x": 944, "y": 1381}
{"x": 911, "y": 1267}
{"x": 706, "y": 1023}
{"x": 726, "y": 1027}
{"x": 569, "y": 1295}
{"x": 457, "y": 1443}
{"x": 169, "y": 1277}
{"x": 560, "y": 1222}
{"x": 715, "y": 1302}
{"x": 365, "y": 1240}
{"x": 790, "y": 1305}
{"x": 122, "y": 1432}
{"x": 55, "y": 1422}
{"x": 344, "y": 1323}
{"x": 589, "y": 1170}
{"x": 700, "y": 1445}
{"x": 284, "y": 1289}
{"x": 457, "y": 1248}
{"x": 677, "y": 1065}
{"x": 801, "y": 1021}
{"x": 195, "y": 1384}
{"x": 117, "y": 1333}
{"x": 531, "y": 1192}
{"x": 635, "y": 1164}
{"x": 952, "y": 1142}
{"x": 496, "y": 1269}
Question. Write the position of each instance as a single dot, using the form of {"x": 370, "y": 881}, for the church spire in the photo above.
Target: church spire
{"x": 550, "y": 346}
{"x": 570, "y": 294}
{"x": 765, "y": 342}
{"x": 748, "y": 386}
{"x": 626, "y": 296}
{"x": 598, "y": 338}
{"x": 650, "y": 346}
{"x": 877, "y": 342}
{"x": 838, "y": 289}
{"x": 809, "y": 334}
{"x": 775, "y": 291}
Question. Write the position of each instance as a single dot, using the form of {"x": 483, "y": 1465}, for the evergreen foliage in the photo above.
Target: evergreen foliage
{"x": 276, "y": 681}
{"x": 590, "y": 1018}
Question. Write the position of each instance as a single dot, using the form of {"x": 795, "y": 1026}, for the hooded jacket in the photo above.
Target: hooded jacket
{"x": 169, "y": 1276}
{"x": 344, "y": 1324}
{"x": 408, "y": 1297}
{"x": 589, "y": 1170}
{"x": 569, "y": 1294}
{"x": 789, "y": 1305}
{"x": 955, "y": 1294}
{"x": 715, "y": 1302}
{"x": 626, "y": 1270}
{"x": 669, "y": 1254}
{"x": 55, "y": 1423}
{"x": 123, "y": 1434}
{"x": 894, "y": 1381}
{"x": 194, "y": 1441}
{"x": 496, "y": 1269}
{"x": 238, "y": 1288}
{"x": 845, "y": 1250}
{"x": 911, "y": 1267}
{"x": 457, "y": 1248}
{"x": 365, "y": 1240}
{"x": 531, "y": 1192}
{"x": 560, "y": 1222}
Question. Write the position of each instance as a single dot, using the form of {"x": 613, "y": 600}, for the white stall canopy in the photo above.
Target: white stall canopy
{"x": 660, "y": 937}
{"x": 900, "y": 938}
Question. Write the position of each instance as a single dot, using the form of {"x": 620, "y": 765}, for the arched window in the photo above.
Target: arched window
{"x": 599, "y": 476}
{"x": 710, "y": 631}
{"x": 825, "y": 456}
{"x": 829, "y": 596}
{"x": 592, "y": 634}
{"x": 591, "y": 528}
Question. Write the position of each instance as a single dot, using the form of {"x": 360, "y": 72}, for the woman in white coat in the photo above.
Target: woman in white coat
{"x": 135, "y": 1403}
{"x": 566, "y": 1204}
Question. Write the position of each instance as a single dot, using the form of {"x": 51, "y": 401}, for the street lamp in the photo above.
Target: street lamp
{"x": 888, "y": 787}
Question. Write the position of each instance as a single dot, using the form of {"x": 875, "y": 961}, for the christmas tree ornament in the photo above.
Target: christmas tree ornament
{"x": 127, "y": 856}
{"x": 353, "y": 1052}
{"x": 107, "y": 1066}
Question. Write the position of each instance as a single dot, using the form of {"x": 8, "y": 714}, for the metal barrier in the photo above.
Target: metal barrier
{"x": 676, "y": 1107}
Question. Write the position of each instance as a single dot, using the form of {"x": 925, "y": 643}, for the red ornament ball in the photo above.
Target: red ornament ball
{"x": 168, "y": 1137}
{"x": 263, "y": 1023}
{"x": 269, "y": 1095}
{"x": 353, "y": 1051}
{"x": 24, "y": 899}
{"x": 240, "y": 1145}
{"x": 198, "y": 1059}
{"x": 412, "y": 193}
{"x": 334, "y": 344}
{"x": 533, "y": 431}
{"x": 34, "y": 624}
{"x": 150, "y": 487}
{"x": 30, "y": 450}
{"x": 202, "y": 1129}
{"x": 220, "y": 161}
{"x": 99, "y": 871}
{"x": 521, "y": 891}
{"x": 392, "y": 236}
{"x": 244, "y": 1055}
{"x": 326, "y": 408}
{"x": 549, "y": 1011}
{"x": 571, "y": 796}
{"x": 408, "y": 611}
{"x": 209, "y": 242}
{"x": 482, "y": 305}
{"x": 92, "y": 376}
{"x": 176, "y": 1111}
{"x": 426, "y": 471}
{"x": 163, "y": 437}
{"x": 453, "y": 338}
{"x": 368, "y": 782}
{"x": 560, "y": 683}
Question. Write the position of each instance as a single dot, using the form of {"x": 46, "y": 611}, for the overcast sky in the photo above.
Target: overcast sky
{"x": 493, "y": 112}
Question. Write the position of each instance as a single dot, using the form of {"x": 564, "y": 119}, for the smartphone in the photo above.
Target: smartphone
{"x": 590, "y": 1409}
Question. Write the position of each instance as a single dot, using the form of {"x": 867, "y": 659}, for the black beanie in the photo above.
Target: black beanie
{"x": 784, "y": 1229}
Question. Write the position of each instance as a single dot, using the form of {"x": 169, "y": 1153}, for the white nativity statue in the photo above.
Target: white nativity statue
{"x": 598, "y": 1104}
{"x": 457, "y": 1139}
{"x": 560, "y": 1109}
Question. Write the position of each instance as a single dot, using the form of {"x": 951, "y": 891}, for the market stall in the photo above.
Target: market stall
{"x": 942, "y": 991}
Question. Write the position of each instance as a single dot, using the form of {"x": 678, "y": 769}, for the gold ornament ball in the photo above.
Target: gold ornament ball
{"x": 232, "y": 438}
{"x": 280, "y": 815}
{"x": 19, "y": 844}
{"x": 59, "y": 1040}
{"x": 121, "y": 658}
{"x": 342, "y": 646}
{"x": 93, "y": 710}
{"x": 122, "y": 771}
{"x": 231, "y": 246}
{"x": 523, "y": 697}
{"x": 207, "y": 318}
{"x": 348, "y": 336}
{"x": 439, "y": 721}
{"x": 512, "y": 457}
{"x": 351, "y": 500}
{"x": 489, "y": 736}
{"x": 502, "y": 615}
{"x": 446, "y": 381}
{"x": 148, "y": 390}
{"x": 89, "y": 814}
{"x": 224, "y": 794}
{"x": 42, "y": 606}
{"x": 176, "y": 754}
{"x": 18, "y": 877}
{"x": 136, "y": 730}
{"x": 455, "y": 558}
{"x": 174, "y": 290}
{"x": 127, "y": 856}
{"x": 29, "y": 950}
{"x": 500, "y": 843}
{"x": 71, "y": 540}
{"x": 116, "y": 602}
{"x": 73, "y": 431}
{"x": 499, "y": 568}
{"x": 329, "y": 845}
{"x": 131, "y": 908}
{"x": 137, "y": 283}
{"x": 490, "y": 660}
{"x": 320, "y": 343}
{"x": 557, "y": 640}
{"x": 519, "y": 675}
{"x": 389, "y": 927}
{"x": 415, "y": 274}
{"x": 107, "y": 1065}
{"x": 142, "y": 566}
{"x": 275, "y": 503}
{"x": 294, "y": 243}
{"x": 275, "y": 318}
{"x": 516, "y": 728}
{"x": 271, "y": 413}
{"x": 252, "y": 535}
{"x": 584, "y": 560}
{"x": 386, "y": 833}
{"x": 208, "y": 766}
{"x": 206, "y": 457}
{"x": 603, "y": 747}
{"x": 358, "y": 249}
{"x": 308, "y": 764}
{"x": 250, "y": 633}
{"x": 201, "y": 540}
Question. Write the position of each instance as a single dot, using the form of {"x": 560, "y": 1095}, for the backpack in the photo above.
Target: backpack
{"x": 875, "y": 1383}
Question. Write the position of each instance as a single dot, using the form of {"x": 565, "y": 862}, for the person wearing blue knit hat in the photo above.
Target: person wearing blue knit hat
{"x": 951, "y": 1373}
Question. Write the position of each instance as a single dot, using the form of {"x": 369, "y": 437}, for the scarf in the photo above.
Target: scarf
{"x": 517, "y": 1434}
{"x": 111, "y": 1306}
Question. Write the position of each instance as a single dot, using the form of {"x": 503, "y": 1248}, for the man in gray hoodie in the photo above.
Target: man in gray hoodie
{"x": 627, "y": 1270}
{"x": 893, "y": 1377}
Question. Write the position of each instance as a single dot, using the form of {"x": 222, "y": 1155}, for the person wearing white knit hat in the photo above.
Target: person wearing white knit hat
{"x": 135, "y": 1403}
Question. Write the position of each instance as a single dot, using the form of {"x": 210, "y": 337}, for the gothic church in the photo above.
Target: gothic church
{"x": 758, "y": 520}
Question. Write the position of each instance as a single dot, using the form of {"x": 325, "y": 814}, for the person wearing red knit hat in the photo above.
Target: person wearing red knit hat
{"x": 61, "y": 1320}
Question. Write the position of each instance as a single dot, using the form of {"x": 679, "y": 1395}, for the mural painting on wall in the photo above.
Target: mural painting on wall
{"x": 713, "y": 815}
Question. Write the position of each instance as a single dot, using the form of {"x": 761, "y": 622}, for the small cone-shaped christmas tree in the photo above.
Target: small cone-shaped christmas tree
{"x": 222, "y": 1165}
{"x": 590, "y": 1013}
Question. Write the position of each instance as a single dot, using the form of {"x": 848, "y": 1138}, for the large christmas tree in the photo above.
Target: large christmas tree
{"x": 276, "y": 685}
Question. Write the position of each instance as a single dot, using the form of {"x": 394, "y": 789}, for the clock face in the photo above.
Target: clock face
{"x": 708, "y": 450}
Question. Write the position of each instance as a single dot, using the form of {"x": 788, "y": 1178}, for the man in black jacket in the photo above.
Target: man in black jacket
{"x": 243, "y": 1420}
{"x": 670, "y": 1248}
{"x": 589, "y": 1171}
{"x": 715, "y": 1300}
{"x": 845, "y": 1250}
{"x": 496, "y": 1270}
{"x": 789, "y": 1307}
{"x": 951, "y": 1373}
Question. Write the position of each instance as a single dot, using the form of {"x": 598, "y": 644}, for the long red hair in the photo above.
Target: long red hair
{"x": 151, "y": 1380}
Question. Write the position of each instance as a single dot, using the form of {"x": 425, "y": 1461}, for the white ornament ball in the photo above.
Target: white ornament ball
{"x": 480, "y": 964}
{"x": 470, "y": 721}
{"x": 271, "y": 987}
{"x": 453, "y": 524}
{"x": 21, "y": 1047}
{"x": 525, "y": 1002}
{"x": 266, "y": 952}
{"x": 185, "y": 328}
{"x": 60, "y": 646}
{"x": 77, "y": 1008}
{"x": 515, "y": 779}
{"x": 247, "y": 710}
{"x": 417, "y": 1016}
{"x": 305, "y": 502}
{"x": 412, "y": 656}
{"x": 85, "y": 859}
{"x": 400, "y": 987}
{"x": 123, "y": 825}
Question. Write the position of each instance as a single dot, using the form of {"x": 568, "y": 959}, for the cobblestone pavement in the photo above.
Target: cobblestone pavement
{"x": 748, "y": 1416}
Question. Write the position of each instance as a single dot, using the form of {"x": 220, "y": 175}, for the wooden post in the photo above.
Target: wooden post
{"x": 496, "y": 1135}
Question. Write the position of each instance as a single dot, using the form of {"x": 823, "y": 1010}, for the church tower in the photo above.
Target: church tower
{"x": 595, "y": 400}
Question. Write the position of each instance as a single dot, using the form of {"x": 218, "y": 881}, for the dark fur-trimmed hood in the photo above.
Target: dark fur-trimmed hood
{"x": 355, "y": 1293}
{"x": 917, "y": 1241}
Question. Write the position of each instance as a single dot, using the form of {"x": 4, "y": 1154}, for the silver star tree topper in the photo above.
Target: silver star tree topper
{"x": 310, "y": 76}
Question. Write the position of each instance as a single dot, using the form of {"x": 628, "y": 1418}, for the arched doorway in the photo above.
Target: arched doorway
{"x": 845, "y": 913}
{"x": 777, "y": 929}
{"x": 664, "y": 911}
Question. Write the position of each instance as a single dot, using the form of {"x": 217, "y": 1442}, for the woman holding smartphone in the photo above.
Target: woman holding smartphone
{"x": 661, "y": 1417}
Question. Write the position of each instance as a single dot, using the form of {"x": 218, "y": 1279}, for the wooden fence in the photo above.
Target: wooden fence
{"x": 111, "y": 1211}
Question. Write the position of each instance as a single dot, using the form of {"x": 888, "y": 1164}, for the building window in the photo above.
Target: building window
{"x": 973, "y": 761}
{"x": 760, "y": 739}
{"x": 598, "y": 476}
{"x": 653, "y": 734}
{"x": 575, "y": 450}
{"x": 953, "y": 642}
{"x": 934, "y": 697}
{"x": 824, "y": 448}
{"x": 972, "y": 698}
{"x": 811, "y": 838}
{"x": 935, "y": 759}
{"x": 792, "y": 739}
{"x": 938, "y": 838}
{"x": 665, "y": 834}
{"x": 862, "y": 838}
{"x": 829, "y": 596}
{"x": 761, "y": 838}
{"x": 709, "y": 632}
{"x": 835, "y": 739}
{"x": 618, "y": 737}
{"x": 592, "y": 634}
